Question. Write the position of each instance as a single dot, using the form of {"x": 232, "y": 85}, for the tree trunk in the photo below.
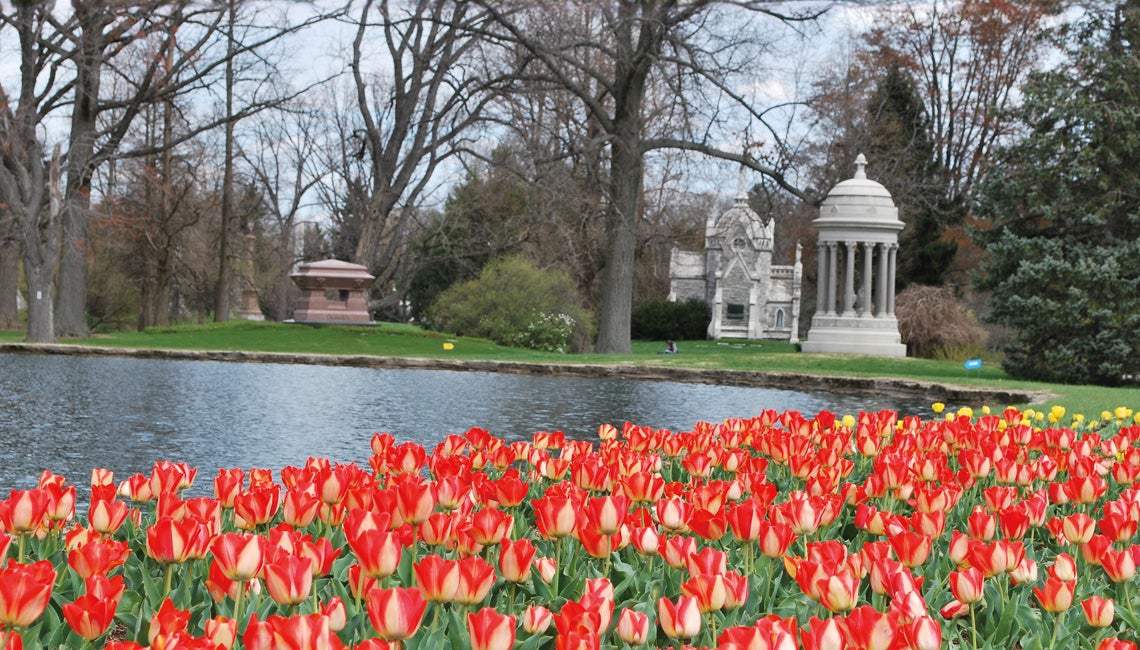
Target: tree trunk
{"x": 41, "y": 312}
{"x": 71, "y": 309}
{"x": 9, "y": 285}
{"x": 621, "y": 221}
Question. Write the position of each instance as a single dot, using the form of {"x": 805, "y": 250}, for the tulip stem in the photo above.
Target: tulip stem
{"x": 974, "y": 628}
{"x": 20, "y": 553}
{"x": 4, "y": 639}
{"x": 1056, "y": 627}
{"x": 167, "y": 580}
{"x": 237, "y": 604}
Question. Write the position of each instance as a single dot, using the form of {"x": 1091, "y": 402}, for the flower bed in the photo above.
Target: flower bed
{"x": 780, "y": 531}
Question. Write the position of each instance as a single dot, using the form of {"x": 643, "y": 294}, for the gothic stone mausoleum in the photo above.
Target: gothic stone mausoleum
{"x": 751, "y": 298}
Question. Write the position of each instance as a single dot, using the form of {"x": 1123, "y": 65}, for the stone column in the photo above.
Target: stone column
{"x": 832, "y": 279}
{"x": 881, "y": 297}
{"x": 865, "y": 308}
{"x": 849, "y": 281}
{"x": 821, "y": 281}
{"x": 891, "y": 280}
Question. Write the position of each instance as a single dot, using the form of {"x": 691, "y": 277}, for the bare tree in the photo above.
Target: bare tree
{"x": 408, "y": 118}
{"x": 151, "y": 50}
{"x": 608, "y": 62}
{"x": 282, "y": 160}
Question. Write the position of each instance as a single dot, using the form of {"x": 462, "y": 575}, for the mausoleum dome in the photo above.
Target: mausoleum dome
{"x": 858, "y": 205}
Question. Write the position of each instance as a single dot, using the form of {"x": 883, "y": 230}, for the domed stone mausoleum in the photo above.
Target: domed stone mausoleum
{"x": 858, "y": 228}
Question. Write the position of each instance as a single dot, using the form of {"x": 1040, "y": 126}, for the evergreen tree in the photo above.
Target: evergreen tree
{"x": 1065, "y": 204}
{"x": 900, "y": 149}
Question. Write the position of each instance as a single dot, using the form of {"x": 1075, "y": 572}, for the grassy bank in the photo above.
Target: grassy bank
{"x": 408, "y": 341}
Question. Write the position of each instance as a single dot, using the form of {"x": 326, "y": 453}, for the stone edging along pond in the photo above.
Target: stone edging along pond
{"x": 934, "y": 391}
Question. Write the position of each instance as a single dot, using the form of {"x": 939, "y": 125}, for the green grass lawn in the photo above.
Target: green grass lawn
{"x": 395, "y": 340}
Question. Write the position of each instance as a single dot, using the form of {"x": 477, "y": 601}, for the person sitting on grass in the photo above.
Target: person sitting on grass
{"x": 670, "y": 347}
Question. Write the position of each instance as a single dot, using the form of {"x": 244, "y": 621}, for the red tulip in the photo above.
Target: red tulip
{"x": 674, "y": 514}
{"x": 289, "y": 579}
{"x": 1056, "y": 595}
{"x": 90, "y": 616}
{"x": 775, "y": 538}
{"x": 240, "y": 556}
{"x": 221, "y": 632}
{"x": 709, "y": 590}
{"x": 377, "y": 551}
{"x": 173, "y": 542}
{"x": 300, "y": 508}
{"x": 606, "y": 514}
{"x": 824, "y": 634}
{"x": 437, "y": 578}
{"x": 25, "y": 590}
{"x": 633, "y": 627}
{"x": 310, "y": 632}
{"x": 491, "y": 526}
{"x": 515, "y": 559}
{"x": 1119, "y": 566}
{"x": 476, "y": 577}
{"x": 680, "y": 620}
{"x": 839, "y": 592}
{"x": 167, "y": 621}
{"x": 24, "y": 511}
{"x": 490, "y": 630}
{"x": 395, "y": 613}
{"x": 106, "y": 516}
{"x": 1099, "y": 611}
{"x": 256, "y": 506}
{"x": 1078, "y": 528}
{"x": 967, "y": 585}
{"x": 1064, "y": 568}
{"x": 981, "y": 525}
{"x": 923, "y": 633}
{"x": 227, "y": 484}
{"x": 554, "y": 517}
{"x": 510, "y": 489}
{"x": 414, "y": 499}
{"x": 912, "y": 549}
{"x": 97, "y": 557}
{"x": 536, "y": 619}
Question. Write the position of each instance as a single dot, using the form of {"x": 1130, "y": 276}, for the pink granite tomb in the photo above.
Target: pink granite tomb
{"x": 332, "y": 291}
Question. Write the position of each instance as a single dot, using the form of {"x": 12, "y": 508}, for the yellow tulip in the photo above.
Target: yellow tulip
{"x": 1105, "y": 415}
{"x": 849, "y": 421}
{"x": 937, "y": 407}
{"x": 985, "y": 410}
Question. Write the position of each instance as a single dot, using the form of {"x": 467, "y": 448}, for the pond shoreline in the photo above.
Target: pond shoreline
{"x": 934, "y": 391}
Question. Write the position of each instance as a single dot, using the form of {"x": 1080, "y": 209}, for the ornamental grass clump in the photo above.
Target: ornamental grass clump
{"x": 775, "y": 531}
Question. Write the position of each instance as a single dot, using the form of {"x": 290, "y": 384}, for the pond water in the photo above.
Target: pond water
{"x": 70, "y": 414}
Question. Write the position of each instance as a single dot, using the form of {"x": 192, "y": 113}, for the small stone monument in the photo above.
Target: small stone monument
{"x": 857, "y": 220}
{"x": 332, "y": 292}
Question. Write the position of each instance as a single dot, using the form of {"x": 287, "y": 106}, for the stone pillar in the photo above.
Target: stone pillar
{"x": 891, "y": 280}
{"x": 865, "y": 307}
{"x": 832, "y": 279}
{"x": 881, "y": 297}
{"x": 849, "y": 281}
{"x": 820, "y": 280}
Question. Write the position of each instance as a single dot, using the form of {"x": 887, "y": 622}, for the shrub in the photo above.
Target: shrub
{"x": 932, "y": 321}
{"x": 514, "y": 303}
{"x": 659, "y": 320}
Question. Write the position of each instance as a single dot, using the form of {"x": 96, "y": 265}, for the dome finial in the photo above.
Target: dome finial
{"x": 860, "y": 164}
{"x": 741, "y": 191}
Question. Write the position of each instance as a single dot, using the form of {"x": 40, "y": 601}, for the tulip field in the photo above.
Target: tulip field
{"x": 1015, "y": 529}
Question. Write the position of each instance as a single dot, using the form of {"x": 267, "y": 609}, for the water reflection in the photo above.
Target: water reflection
{"x": 71, "y": 414}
